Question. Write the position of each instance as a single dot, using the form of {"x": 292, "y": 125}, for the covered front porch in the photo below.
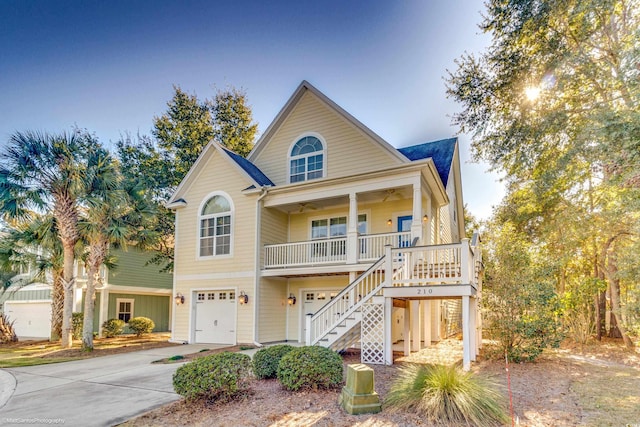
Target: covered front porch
{"x": 344, "y": 225}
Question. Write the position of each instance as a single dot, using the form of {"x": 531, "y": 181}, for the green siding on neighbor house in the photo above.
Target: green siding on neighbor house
{"x": 29, "y": 295}
{"x": 155, "y": 307}
{"x": 131, "y": 270}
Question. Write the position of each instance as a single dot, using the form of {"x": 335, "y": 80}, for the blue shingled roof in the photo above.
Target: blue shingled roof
{"x": 440, "y": 151}
{"x": 253, "y": 171}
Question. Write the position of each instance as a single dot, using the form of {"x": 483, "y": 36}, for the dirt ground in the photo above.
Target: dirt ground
{"x": 595, "y": 385}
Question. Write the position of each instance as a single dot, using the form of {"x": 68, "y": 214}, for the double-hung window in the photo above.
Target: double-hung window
{"x": 306, "y": 160}
{"x": 215, "y": 227}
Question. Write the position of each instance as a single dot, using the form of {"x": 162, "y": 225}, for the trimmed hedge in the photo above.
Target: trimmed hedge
{"x": 141, "y": 325}
{"x": 266, "y": 360}
{"x": 113, "y": 327}
{"x": 310, "y": 367}
{"x": 220, "y": 376}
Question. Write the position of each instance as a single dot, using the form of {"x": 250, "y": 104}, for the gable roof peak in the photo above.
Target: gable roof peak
{"x": 303, "y": 88}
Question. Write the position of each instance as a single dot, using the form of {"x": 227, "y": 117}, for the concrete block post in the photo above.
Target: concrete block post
{"x": 358, "y": 395}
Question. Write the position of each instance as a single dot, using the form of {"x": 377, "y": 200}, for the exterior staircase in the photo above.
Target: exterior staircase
{"x": 356, "y": 314}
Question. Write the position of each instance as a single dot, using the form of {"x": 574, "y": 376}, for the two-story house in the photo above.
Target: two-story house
{"x": 325, "y": 234}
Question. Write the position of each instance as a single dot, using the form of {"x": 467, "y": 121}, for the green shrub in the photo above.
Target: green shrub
{"x": 112, "y": 328}
{"x": 220, "y": 376}
{"x": 76, "y": 322}
{"x": 310, "y": 367}
{"x": 266, "y": 360}
{"x": 446, "y": 394}
{"x": 141, "y": 325}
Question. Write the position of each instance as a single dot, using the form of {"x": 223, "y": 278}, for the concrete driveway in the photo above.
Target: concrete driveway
{"x": 102, "y": 391}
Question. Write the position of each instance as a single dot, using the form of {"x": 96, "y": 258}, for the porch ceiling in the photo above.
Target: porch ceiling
{"x": 383, "y": 195}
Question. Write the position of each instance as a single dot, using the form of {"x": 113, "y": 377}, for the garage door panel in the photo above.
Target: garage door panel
{"x": 32, "y": 319}
{"x": 215, "y": 317}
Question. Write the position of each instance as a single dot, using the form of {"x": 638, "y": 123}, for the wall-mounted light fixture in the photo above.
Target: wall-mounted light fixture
{"x": 425, "y": 218}
{"x": 389, "y": 222}
{"x": 243, "y": 298}
{"x": 291, "y": 300}
{"x": 179, "y": 298}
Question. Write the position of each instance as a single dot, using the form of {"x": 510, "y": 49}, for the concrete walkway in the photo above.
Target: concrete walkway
{"x": 101, "y": 391}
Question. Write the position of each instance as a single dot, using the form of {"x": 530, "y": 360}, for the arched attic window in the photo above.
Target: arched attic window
{"x": 215, "y": 226}
{"x": 306, "y": 159}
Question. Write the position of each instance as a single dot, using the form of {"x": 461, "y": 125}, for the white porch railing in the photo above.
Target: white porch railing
{"x": 311, "y": 252}
{"x": 331, "y": 251}
{"x": 372, "y": 245}
{"x": 437, "y": 264}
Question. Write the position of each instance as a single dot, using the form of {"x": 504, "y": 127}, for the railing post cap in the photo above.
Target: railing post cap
{"x": 309, "y": 314}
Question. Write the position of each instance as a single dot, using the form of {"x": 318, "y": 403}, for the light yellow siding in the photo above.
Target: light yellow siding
{"x": 274, "y": 229}
{"x": 349, "y": 150}
{"x": 236, "y": 271}
{"x": 272, "y": 313}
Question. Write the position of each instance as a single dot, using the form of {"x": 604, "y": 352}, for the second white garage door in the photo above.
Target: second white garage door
{"x": 32, "y": 319}
{"x": 215, "y": 317}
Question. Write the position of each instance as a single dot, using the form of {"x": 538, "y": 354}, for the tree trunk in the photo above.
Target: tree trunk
{"x": 89, "y": 308}
{"x": 601, "y": 307}
{"x": 68, "y": 283}
{"x": 616, "y": 309}
{"x": 57, "y": 305}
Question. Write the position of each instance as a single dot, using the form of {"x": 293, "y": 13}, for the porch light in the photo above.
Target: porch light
{"x": 425, "y": 218}
{"x": 179, "y": 299}
{"x": 243, "y": 298}
{"x": 291, "y": 300}
{"x": 389, "y": 222}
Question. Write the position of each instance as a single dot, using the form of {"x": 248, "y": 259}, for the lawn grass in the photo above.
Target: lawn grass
{"x": 31, "y": 353}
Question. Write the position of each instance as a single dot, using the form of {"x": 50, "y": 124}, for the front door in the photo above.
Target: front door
{"x": 312, "y": 301}
{"x": 404, "y": 224}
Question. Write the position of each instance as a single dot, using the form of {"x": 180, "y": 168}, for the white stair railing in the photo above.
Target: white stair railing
{"x": 345, "y": 303}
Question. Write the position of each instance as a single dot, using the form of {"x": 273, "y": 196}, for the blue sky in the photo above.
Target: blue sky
{"x": 109, "y": 66}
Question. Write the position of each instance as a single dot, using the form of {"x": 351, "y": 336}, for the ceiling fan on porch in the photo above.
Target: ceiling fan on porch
{"x": 304, "y": 206}
{"x": 391, "y": 192}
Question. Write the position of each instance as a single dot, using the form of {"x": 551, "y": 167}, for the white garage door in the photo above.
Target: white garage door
{"x": 216, "y": 317}
{"x": 32, "y": 319}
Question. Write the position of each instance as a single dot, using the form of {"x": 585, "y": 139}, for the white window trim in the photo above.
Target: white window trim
{"x": 119, "y": 300}
{"x": 366, "y": 212}
{"x": 324, "y": 156}
{"x": 199, "y": 225}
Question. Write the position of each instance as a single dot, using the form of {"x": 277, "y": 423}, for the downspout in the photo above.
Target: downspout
{"x": 256, "y": 286}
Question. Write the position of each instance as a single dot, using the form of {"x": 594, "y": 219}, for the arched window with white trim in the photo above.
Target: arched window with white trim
{"x": 306, "y": 159}
{"x": 216, "y": 215}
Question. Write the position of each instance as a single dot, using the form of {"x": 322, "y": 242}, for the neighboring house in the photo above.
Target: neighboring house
{"x": 326, "y": 234}
{"x": 132, "y": 289}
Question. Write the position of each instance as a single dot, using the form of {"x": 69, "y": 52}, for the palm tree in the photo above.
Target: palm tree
{"x": 35, "y": 246}
{"x": 45, "y": 173}
{"x": 113, "y": 215}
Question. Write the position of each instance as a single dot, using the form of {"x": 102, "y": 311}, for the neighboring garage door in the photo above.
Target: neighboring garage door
{"x": 32, "y": 319}
{"x": 216, "y": 317}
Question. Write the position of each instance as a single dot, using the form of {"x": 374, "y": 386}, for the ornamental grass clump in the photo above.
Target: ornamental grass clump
{"x": 446, "y": 395}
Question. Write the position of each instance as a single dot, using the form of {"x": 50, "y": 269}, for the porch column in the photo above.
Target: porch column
{"x": 104, "y": 309}
{"x": 388, "y": 346}
{"x": 473, "y": 335}
{"x": 416, "y": 223}
{"x": 407, "y": 328}
{"x": 466, "y": 335}
{"x": 426, "y": 320}
{"x": 352, "y": 230}
{"x": 416, "y": 336}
